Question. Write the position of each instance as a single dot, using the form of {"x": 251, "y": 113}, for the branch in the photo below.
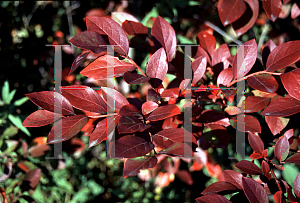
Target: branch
{"x": 275, "y": 179}
{"x": 262, "y": 36}
{"x": 248, "y": 76}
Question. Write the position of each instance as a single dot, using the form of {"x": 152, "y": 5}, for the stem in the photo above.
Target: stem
{"x": 262, "y": 36}
{"x": 253, "y": 74}
{"x": 276, "y": 179}
{"x": 102, "y": 116}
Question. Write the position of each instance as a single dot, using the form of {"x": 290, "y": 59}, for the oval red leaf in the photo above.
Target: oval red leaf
{"x": 219, "y": 187}
{"x": 272, "y": 8}
{"x": 199, "y": 68}
{"x": 248, "y": 167}
{"x": 284, "y": 55}
{"x": 129, "y": 110}
{"x": 282, "y": 107}
{"x": 233, "y": 177}
{"x": 254, "y": 191}
{"x": 214, "y": 117}
{"x": 164, "y": 33}
{"x": 157, "y": 66}
{"x": 255, "y": 142}
{"x": 277, "y": 197}
{"x": 153, "y": 96}
{"x": 225, "y": 77}
{"x": 130, "y": 146}
{"x": 78, "y": 60}
{"x": 265, "y": 167}
{"x": 117, "y": 100}
{"x": 106, "y": 26}
{"x": 107, "y": 67}
{"x": 282, "y": 147}
{"x": 220, "y": 55}
{"x": 291, "y": 82}
{"x": 263, "y": 82}
{"x": 241, "y": 26}
{"x": 276, "y": 124}
{"x": 295, "y": 159}
{"x": 89, "y": 40}
{"x": 84, "y": 98}
{"x": 148, "y": 107}
{"x": 230, "y": 10}
{"x": 247, "y": 59}
{"x": 247, "y": 123}
{"x": 68, "y": 127}
{"x": 134, "y": 28}
{"x": 207, "y": 41}
{"x": 131, "y": 124}
{"x": 295, "y": 11}
{"x": 100, "y": 132}
{"x": 254, "y": 104}
{"x": 212, "y": 199}
{"x": 178, "y": 149}
{"x": 133, "y": 166}
{"x": 41, "y": 118}
{"x": 134, "y": 78}
{"x": 163, "y": 112}
{"x": 33, "y": 177}
{"x": 46, "y": 99}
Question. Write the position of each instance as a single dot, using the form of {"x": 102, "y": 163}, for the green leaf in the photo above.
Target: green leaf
{"x": 11, "y": 95}
{"x": 184, "y": 40}
{"x": 21, "y": 101}
{"x": 10, "y": 131}
{"x": 290, "y": 172}
{"x": 18, "y": 123}
{"x": 152, "y": 13}
{"x": 5, "y": 92}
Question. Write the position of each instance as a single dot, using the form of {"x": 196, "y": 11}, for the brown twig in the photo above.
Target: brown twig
{"x": 275, "y": 179}
{"x": 256, "y": 73}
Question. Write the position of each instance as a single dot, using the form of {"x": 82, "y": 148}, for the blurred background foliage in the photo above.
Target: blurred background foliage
{"x": 85, "y": 174}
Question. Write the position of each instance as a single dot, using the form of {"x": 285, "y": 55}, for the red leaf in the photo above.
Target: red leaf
{"x": 166, "y": 138}
{"x": 199, "y": 68}
{"x": 289, "y": 133}
{"x": 282, "y": 147}
{"x": 219, "y": 187}
{"x": 164, "y": 33}
{"x": 272, "y": 8}
{"x": 172, "y": 92}
{"x": 207, "y": 41}
{"x": 276, "y": 124}
{"x": 68, "y": 127}
{"x": 234, "y": 178}
{"x": 84, "y": 98}
{"x": 201, "y": 52}
{"x": 284, "y": 55}
{"x": 46, "y": 99}
{"x": 100, "y": 132}
{"x": 254, "y": 191}
{"x": 221, "y": 55}
{"x": 129, "y": 110}
{"x": 225, "y": 77}
{"x": 41, "y": 118}
{"x": 212, "y": 199}
{"x": 185, "y": 176}
{"x": 248, "y": 19}
{"x": 148, "y": 107}
{"x": 247, "y": 123}
{"x": 78, "y": 60}
{"x": 33, "y": 177}
{"x": 107, "y": 67}
{"x": 232, "y": 110}
{"x": 163, "y": 112}
{"x": 217, "y": 136}
{"x": 230, "y": 10}
{"x": 291, "y": 82}
{"x": 263, "y": 82}
{"x": 295, "y": 159}
{"x": 106, "y": 26}
{"x": 265, "y": 167}
{"x": 248, "y": 167}
{"x": 270, "y": 45}
{"x": 247, "y": 59}
{"x": 214, "y": 117}
{"x": 153, "y": 96}
{"x": 117, "y": 100}
{"x": 295, "y": 11}
{"x": 178, "y": 149}
{"x": 282, "y": 107}
{"x": 133, "y": 166}
{"x": 134, "y": 78}
{"x": 130, "y": 124}
{"x": 131, "y": 146}
{"x": 134, "y": 28}
{"x": 38, "y": 150}
{"x": 255, "y": 142}
{"x": 157, "y": 66}
{"x": 277, "y": 197}
{"x": 254, "y": 104}
{"x": 89, "y": 40}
